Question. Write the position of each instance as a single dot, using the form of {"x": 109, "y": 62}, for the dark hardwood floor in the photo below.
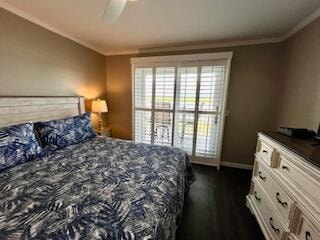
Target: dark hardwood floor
{"x": 215, "y": 206}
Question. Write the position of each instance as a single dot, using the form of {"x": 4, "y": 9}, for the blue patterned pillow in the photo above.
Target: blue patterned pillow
{"x": 18, "y": 144}
{"x": 59, "y": 134}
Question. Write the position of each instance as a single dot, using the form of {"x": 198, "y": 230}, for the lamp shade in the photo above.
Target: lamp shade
{"x": 99, "y": 106}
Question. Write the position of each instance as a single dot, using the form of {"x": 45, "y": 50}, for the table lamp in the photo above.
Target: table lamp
{"x": 99, "y": 106}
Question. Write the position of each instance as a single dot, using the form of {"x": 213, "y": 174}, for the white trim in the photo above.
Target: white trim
{"x": 237, "y": 165}
{"x": 40, "y": 23}
{"x": 212, "y": 45}
{"x": 133, "y": 73}
{"x": 224, "y": 100}
{"x": 225, "y": 164}
{"x": 305, "y": 22}
{"x": 122, "y": 52}
{"x": 174, "y": 106}
{"x": 196, "y": 115}
{"x": 213, "y": 164}
{"x": 153, "y": 103}
{"x": 184, "y": 57}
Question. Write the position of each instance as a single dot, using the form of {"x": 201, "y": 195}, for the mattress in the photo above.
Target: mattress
{"x": 102, "y": 188}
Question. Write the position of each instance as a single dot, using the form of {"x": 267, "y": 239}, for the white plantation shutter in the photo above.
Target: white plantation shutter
{"x": 186, "y": 88}
{"x": 181, "y": 103}
{"x": 163, "y": 105}
{"x": 186, "y": 93}
{"x": 184, "y": 131}
{"x": 164, "y": 88}
{"x": 143, "y": 104}
{"x": 143, "y": 126}
{"x": 210, "y": 94}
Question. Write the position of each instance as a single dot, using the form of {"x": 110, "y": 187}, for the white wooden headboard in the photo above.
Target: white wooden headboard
{"x": 15, "y": 110}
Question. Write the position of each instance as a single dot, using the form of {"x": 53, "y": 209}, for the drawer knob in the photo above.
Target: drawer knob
{"x": 262, "y": 177}
{"x": 264, "y": 151}
{"x": 284, "y": 204}
{"x": 308, "y": 235}
{"x": 256, "y": 196}
{"x": 272, "y": 226}
{"x": 285, "y": 168}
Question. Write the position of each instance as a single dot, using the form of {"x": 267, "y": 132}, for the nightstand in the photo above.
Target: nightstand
{"x": 106, "y": 131}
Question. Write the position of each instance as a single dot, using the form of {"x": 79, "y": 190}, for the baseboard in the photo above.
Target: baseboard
{"x": 225, "y": 164}
{"x": 212, "y": 164}
{"x": 237, "y": 165}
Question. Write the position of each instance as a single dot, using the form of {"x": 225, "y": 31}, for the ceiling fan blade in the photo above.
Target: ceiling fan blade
{"x": 113, "y": 10}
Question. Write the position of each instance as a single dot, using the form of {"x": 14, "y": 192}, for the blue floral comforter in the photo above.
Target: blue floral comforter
{"x": 103, "y": 188}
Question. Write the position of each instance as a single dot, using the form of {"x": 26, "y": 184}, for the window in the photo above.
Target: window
{"x": 180, "y": 101}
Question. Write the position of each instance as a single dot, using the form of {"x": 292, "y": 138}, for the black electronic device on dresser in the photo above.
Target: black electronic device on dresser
{"x": 301, "y": 133}
{"x": 297, "y": 132}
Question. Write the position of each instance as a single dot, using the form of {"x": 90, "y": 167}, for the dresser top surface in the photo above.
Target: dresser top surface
{"x": 305, "y": 148}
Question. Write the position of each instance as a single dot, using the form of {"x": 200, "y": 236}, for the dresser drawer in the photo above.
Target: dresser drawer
{"x": 263, "y": 204}
{"x": 303, "y": 181}
{"x": 307, "y": 231}
{"x": 261, "y": 172}
{"x": 280, "y": 199}
{"x": 265, "y": 151}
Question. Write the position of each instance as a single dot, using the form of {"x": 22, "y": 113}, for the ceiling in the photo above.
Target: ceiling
{"x": 165, "y": 23}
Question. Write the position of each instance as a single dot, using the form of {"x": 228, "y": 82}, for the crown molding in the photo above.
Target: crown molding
{"x": 175, "y": 58}
{"x": 212, "y": 45}
{"x": 306, "y": 21}
{"x": 195, "y": 46}
{"x": 37, "y": 21}
{"x": 122, "y": 52}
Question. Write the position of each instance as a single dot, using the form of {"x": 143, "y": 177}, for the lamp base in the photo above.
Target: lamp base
{"x": 100, "y": 121}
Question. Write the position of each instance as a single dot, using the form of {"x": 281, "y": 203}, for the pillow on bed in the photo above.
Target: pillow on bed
{"x": 18, "y": 144}
{"x": 59, "y": 134}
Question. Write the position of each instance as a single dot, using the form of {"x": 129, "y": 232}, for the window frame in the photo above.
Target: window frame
{"x": 186, "y": 60}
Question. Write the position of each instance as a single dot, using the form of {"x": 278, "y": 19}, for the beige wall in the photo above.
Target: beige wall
{"x": 119, "y": 95}
{"x": 252, "y": 97}
{"x": 301, "y": 87}
{"x": 37, "y": 62}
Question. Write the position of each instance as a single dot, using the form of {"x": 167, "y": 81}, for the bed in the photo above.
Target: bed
{"x": 101, "y": 188}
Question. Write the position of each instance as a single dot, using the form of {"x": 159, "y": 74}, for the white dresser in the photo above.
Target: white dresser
{"x": 285, "y": 188}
